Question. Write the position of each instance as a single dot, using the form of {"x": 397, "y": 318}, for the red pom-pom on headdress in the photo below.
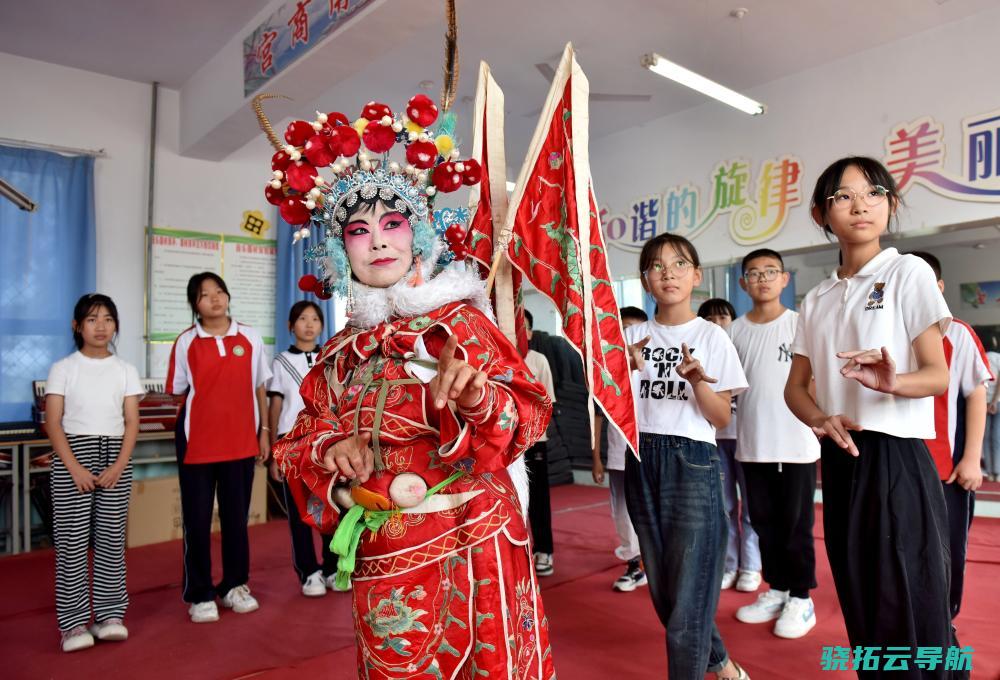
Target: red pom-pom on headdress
{"x": 379, "y": 138}
{"x": 421, "y": 155}
{"x": 447, "y": 178}
{"x": 374, "y": 111}
{"x": 318, "y": 152}
{"x": 298, "y": 132}
{"x": 421, "y": 110}
{"x": 274, "y": 196}
{"x": 344, "y": 141}
{"x": 294, "y": 211}
{"x": 473, "y": 172}
{"x": 300, "y": 176}
{"x": 280, "y": 160}
{"x": 307, "y": 283}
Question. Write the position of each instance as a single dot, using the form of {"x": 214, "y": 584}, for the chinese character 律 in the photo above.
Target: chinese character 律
{"x": 836, "y": 659}
{"x": 779, "y": 187}
{"x": 299, "y": 23}
{"x": 644, "y": 218}
{"x": 264, "y": 55}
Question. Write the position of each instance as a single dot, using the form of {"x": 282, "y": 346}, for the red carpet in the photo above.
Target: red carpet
{"x": 597, "y": 633}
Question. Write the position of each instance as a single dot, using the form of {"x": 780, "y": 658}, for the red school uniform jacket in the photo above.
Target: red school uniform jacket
{"x": 220, "y": 375}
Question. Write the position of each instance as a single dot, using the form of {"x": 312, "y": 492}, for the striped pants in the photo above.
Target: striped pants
{"x": 81, "y": 520}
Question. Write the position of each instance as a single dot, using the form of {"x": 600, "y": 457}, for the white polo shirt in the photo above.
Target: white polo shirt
{"x": 768, "y": 432}
{"x": 888, "y": 303}
{"x": 665, "y": 401}
{"x": 287, "y": 372}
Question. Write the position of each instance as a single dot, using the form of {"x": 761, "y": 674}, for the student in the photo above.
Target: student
{"x": 537, "y": 461}
{"x": 991, "y": 443}
{"x": 687, "y": 372}
{"x": 742, "y": 567}
{"x": 628, "y": 542}
{"x": 92, "y": 419}
{"x": 777, "y": 453}
{"x": 871, "y": 335}
{"x": 960, "y": 420}
{"x": 221, "y": 366}
{"x": 305, "y": 321}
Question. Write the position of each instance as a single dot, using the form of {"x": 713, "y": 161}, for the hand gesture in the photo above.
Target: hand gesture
{"x": 109, "y": 476}
{"x": 873, "y": 368}
{"x": 84, "y": 479}
{"x": 635, "y": 360}
{"x": 351, "y": 457}
{"x": 456, "y": 379}
{"x": 691, "y": 369}
{"x": 968, "y": 474}
{"x": 836, "y": 428}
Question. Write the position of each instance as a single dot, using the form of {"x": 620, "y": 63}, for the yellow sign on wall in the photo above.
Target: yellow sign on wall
{"x": 254, "y": 223}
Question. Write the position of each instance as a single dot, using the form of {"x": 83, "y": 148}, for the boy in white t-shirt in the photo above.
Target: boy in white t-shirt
{"x": 991, "y": 443}
{"x": 778, "y": 452}
{"x": 958, "y": 443}
{"x": 628, "y": 542}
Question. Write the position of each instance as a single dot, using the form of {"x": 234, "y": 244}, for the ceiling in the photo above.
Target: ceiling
{"x": 169, "y": 41}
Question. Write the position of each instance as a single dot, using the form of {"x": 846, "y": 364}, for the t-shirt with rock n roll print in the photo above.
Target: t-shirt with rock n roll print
{"x": 665, "y": 401}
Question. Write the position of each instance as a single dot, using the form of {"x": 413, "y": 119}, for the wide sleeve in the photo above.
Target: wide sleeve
{"x": 300, "y": 452}
{"x": 514, "y": 409}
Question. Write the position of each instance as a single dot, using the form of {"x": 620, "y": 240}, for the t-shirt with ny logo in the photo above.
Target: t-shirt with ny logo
{"x": 665, "y": 402}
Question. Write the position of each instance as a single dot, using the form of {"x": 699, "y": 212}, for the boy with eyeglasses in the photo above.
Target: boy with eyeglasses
{"x": 777, "y": 452}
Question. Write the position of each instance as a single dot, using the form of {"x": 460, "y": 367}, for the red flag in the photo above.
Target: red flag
{"x": 488, "y": 207}
{"x": 555, "y": 240}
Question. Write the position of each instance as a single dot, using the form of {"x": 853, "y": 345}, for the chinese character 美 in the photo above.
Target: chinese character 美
{"x": 836, "y": 659}
{"x": 264, "y": 55}
{"x": 912, "y": 148}
{"x": 958, "y": 659}
{"x": 928, "y": 658}
{"x": 896, "y": 658}
{"x": 644, "y": 218}
{"x": 866, "y": 658}
{"x": 299, "y": 23}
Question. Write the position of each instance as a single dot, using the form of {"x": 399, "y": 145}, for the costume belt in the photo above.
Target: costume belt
{"x": 358, "y": 518}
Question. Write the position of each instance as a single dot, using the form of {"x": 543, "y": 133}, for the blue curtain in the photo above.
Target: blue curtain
{"x": 47, "y": 261}
{"x": 742, "y": 302}
{"x": 292, "y": 264}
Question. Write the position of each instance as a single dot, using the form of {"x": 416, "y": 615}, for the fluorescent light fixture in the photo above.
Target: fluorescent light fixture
{"x": 677, "y": 73}
{"x": 510, "y": 186}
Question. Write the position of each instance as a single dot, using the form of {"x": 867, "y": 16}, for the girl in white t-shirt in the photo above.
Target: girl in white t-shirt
{"x": 305, "y": 321}
{"x": 92, "y": 419}
{"x": 687, "y": 371}
{"x": 870, "y": 335}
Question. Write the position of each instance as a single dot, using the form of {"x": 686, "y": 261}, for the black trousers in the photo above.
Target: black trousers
{"x": 539, "y": 504}
{"x": 232, "y": 481}
{"x": 961, "y": 505}
{"x": 886, "y": 534}
{"x": 780, "y": 497}
{"x": 303, "y": 550}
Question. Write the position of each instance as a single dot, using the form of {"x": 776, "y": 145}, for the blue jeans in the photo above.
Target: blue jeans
{"x": 742, "y": 548}
{"x": 674, "y": 498}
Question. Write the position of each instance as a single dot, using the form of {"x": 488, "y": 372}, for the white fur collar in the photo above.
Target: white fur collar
{"x": 455, "y": 283}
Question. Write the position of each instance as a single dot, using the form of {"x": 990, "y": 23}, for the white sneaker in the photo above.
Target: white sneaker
{"x": 110, "y": 630}
{"x": 331, "y": 583}
{"x": 544, "y": 564}
{"x": 240, "y": 600}
{"x": 728, "y": 580}
{"x": 76, "y": 638}
{"x": 767, "y": 607}
{"x": 203, "y": 612}
{"x": 314, "y": 586}
{"x": 748, "y": 581}
{"x": 797, "y": 618}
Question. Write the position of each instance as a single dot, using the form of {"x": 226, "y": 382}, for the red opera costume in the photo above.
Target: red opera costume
{"x": 444, "y": 589}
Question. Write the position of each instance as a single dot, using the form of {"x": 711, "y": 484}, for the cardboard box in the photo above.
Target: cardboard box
{"x": 154, "y": 512}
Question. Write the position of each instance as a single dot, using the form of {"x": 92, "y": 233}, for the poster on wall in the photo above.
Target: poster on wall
{"x": 247, "y": 264}
{"x": 979, "y": 295}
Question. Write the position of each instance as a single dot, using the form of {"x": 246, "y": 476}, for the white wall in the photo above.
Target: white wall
{"x": 63, "y": 106}
{"x": 846, "y": 107}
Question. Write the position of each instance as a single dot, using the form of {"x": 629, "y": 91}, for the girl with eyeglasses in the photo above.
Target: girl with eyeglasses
{"x": 687, "y": 371}
{"x": 870, "y": 336}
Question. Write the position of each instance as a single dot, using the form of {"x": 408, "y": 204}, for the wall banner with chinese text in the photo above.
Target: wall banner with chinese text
{"x": 293, "y": 29}
{"x": 247, "y": 264}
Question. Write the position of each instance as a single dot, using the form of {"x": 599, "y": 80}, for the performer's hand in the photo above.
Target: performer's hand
{"x": 351, "y": 457}
{"x": 836, "y": 428}
{"x": 635, "y": 360}
{"x": 967, "y": 473}
{"x": 456, "y": 379}
{"x": 597, "y": 471}
{"x": 691, "y": 369}
{"x": 873, "y": 368}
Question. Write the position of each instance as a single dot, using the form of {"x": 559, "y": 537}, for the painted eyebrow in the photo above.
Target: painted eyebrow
{"x": 394, "y": 214}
